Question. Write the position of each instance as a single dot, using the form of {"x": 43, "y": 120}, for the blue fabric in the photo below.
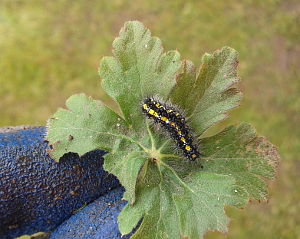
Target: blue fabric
{"x": 38, "y": 194}
{"x": 22, "y": 138}
{"x": 97, "y": 220}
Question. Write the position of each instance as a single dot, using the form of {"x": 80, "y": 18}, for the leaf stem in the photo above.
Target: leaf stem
{"x": 179, "y": 179}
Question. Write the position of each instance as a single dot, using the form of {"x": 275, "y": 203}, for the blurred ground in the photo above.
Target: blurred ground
{"x": 50, "y": 50}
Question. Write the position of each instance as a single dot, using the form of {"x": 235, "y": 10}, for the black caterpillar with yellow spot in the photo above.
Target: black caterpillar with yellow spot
{"x": 174, "y": 123}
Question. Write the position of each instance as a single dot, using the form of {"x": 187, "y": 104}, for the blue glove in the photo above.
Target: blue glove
{"x": 38, "y": 194}
{"x": 97, "y": 220}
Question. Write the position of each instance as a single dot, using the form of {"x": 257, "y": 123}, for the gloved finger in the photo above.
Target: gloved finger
{"x": 97, "y": 220}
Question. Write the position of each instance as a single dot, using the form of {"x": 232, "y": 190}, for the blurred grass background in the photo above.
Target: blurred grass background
{"x": 50, "y": 50}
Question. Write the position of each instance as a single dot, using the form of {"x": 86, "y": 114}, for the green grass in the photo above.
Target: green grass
{"x": 50, "y": 50}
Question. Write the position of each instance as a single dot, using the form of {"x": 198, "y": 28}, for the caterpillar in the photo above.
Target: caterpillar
{"x": 174, "y": 123}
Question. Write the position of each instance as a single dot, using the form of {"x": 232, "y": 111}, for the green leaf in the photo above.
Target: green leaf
{"x": 239, "y": 152}
{"x": 87, "y": 125}
{"x": 206, "y": 96}
{"x": 126, "y": 165}
{"x": 174, "y": 198}
{"x": 193, "y": 198}
{"x": 139, "y": 69}
{"x": 175, "y": 207}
